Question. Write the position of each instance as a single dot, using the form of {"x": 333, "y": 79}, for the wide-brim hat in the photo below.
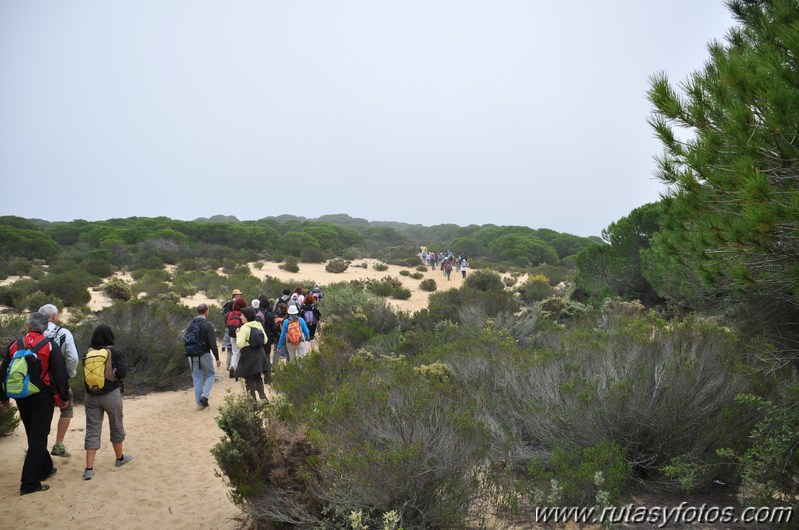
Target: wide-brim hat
{"x": 236, "y": 291}
{"x": 293, "y": 310}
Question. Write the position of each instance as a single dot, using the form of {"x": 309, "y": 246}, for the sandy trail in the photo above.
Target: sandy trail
{"x": 171, "y": 482}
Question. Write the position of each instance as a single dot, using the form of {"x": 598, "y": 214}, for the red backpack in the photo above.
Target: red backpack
{"x": 233, "y": 322}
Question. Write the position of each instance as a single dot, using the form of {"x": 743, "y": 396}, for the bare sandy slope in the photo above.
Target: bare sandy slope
{"x": 171, "y": 482}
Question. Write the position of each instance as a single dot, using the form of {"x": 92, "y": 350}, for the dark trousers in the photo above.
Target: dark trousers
{"x": 36, "y": 413}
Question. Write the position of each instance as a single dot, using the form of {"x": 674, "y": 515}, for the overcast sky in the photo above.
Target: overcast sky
{"x": 511, "y": 112}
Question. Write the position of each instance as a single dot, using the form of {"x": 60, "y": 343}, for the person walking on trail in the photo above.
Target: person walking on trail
{"x": 293, "y": 335}
{"x": 464, "y": 266}
{"x": 311, "y": 315}
{"x": 267, "y": 320}
{"x": 104, "y": 396}
{"x": 201, "y": 365}
{"x": 250, "y": 339}
{"x": 66, "y": 342}
{"x": 285, "y": 298}
{"x": 227, "y": 308}
{"x": 448, "y": 268}
{"x": 36, "y": 385}
{"x": 232, "y": 324}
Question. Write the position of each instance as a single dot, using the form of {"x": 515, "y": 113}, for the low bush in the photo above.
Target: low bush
{"x": 267, "y": 465}
{"x": 417, "y": 275}
{"x": 380, "y": 267}
{"x": 404, "y": 272}
{"x": 290, "y": 264}
{"x": 9, "y": 420}
{"x": 70, "y": 287}
{"x": 428, "y": 285}
{"x": 151, "y": 335}
{"x": 403, "y": 293}
{"x": 117, "y": 289}
{"x": 421, "y": 268}
{"x": 535, "y": 289}
{"x": 337, "y": 265}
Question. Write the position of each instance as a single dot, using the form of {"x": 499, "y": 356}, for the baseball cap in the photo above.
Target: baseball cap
{"x": 293, "y": 310}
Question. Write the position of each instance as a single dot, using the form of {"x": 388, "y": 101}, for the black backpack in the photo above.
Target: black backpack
{"x": 257, "y": 339}
{"x": 193, "y": 340}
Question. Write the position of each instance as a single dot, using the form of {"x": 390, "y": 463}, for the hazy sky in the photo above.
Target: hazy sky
{"x": 511, "y": 112}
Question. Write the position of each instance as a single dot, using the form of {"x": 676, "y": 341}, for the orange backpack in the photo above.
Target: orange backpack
{"x": 294, "y": 332}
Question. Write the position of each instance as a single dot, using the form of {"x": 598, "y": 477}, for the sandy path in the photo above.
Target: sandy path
{"x": 316, "y": 273}
{"x": 170, "y": 483}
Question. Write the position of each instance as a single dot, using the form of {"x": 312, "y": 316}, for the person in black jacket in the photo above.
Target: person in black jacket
{"x": 106, "y": 400}
{"x": 36, "y": 410}
{"x": 202, "y": 366}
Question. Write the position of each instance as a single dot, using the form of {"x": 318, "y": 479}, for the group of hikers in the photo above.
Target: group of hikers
{"x": 446, "y": 261}
{"x": 35, "y": 372}
{"x": 256, "y": 337}
{"x": 36, "y": 369}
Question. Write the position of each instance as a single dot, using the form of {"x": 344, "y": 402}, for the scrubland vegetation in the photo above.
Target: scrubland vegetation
{"x": 660, "y": 358}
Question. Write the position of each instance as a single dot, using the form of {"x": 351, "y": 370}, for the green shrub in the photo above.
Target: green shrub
{"x": 428, "y": 285}
{"x": 151, "y": 335}
{"x": 70, "y": 287}
{"x": 9, "y": 420}
{"x": 535, "y": 289}
{"x": 417, "y": 275}
{"x": 34, "y": 301}
{"x": 380, "y": 267}
{"x": 290, "y": 264}
{"x": 509, "y": 281}
{"x": 404, "y": 272}
{"x": 403, "y": 293}
{"x": 485, "y": 281}
{"x": 421, "y": 268}
{"x": 337, "y": 266}
{"x": 117, "y": 289}
{"x": 393, "y": 440}
{"x": 101, "y": 269}
{"x": 582, "y": 474}
{"x": 267, "y": 465}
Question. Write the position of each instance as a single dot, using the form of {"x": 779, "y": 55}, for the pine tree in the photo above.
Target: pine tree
{"x": 731, "y": 161}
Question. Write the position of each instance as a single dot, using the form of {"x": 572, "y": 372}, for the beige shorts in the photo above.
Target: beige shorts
{"x": 68, "y": 411}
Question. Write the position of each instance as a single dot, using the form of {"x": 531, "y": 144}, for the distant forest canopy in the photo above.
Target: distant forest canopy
{"x": 310, "y": 240}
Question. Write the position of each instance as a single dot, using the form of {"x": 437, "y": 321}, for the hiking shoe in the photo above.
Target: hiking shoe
{"x": 50, "y": 474}
{"x": 88, "y": 474}
{"x": 204, "y": 401}
{"x": 42, "y": 487}
{"x": 125, "y": 460}
{"x": 60, "y": 450}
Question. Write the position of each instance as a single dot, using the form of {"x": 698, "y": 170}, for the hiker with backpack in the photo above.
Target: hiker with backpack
{"x": 253, "y": 362}
{"x": 311, "y": 315}
{"x": 285, "y": 298}
{"x": 267, "y": 320}
{"x": 232, "y": 324}
{"x": 294, "y": 334}
{"x": 34, "y": 373}
{"x": 63, "y": 337}
{"x": 281, "y": 315}
{"x": 199, "y": 343}
{"x": 104, "y": 369}
{"x": 226, "y": 341}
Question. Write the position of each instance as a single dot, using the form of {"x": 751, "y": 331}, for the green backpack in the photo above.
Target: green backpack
{"x": 24, "y": 375}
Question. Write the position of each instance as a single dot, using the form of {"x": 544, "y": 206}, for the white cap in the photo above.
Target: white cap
{"x": 293, "y": 310}
{"x": 255, "y": 304}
